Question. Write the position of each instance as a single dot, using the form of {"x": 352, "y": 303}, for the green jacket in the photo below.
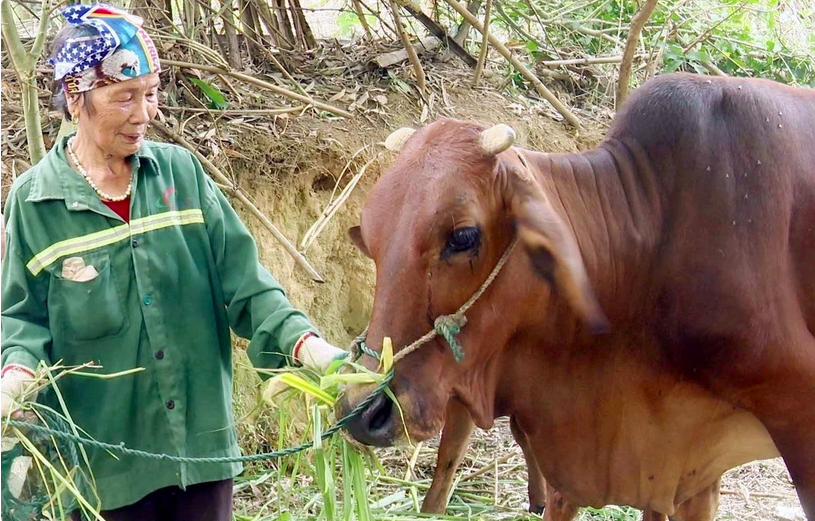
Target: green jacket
{"x": 170, "y": 285}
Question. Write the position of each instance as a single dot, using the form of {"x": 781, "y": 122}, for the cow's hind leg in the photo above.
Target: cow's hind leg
{"x": 455, "y": 439}
{"x": 537, "y": 484}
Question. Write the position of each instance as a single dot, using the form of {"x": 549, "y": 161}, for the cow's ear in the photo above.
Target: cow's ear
{"x": 355, "y": 234}
{"x": 551, "y": 247}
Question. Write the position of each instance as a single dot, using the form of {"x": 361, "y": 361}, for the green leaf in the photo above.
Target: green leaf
{"x": 698, "y": 56}
{"x": 347, "y": 22}
{"x": 213, "y": 93}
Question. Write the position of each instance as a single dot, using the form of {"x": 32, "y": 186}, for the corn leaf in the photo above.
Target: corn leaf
{"x": 387, "y": 355}
{"x": 349, "y": 378}
{"x": 304, "y": 386}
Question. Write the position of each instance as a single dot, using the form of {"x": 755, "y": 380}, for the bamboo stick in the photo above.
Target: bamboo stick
{"x": 237, "y": 112}
{"x": 520, "y": 67}
{"x": 411, "y": 52}
{"x": 260, "y": 83}
{"x": 362, "y": 20}
{"x": 588, "y": 61}
{"x": 238, "y": 193}
{"x": 485, "y": 44}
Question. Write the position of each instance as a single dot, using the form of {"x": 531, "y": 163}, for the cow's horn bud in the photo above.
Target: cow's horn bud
{"x": 397, "y": 139}
{"x": 496, "y": 139}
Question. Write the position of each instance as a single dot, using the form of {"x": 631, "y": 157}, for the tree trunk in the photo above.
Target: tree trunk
{"x": 301, "y": 25}
{"x": 274, "y": 26}
{"x": 634, "y": 31}
{"x": 192, "y": 19}
{"x": 249, "y": 22}
{"x": 464, "y": 29}
{"x": 284, "y": 24}
{"x": 25, "y": 63}
{"x": 233, "y": 48}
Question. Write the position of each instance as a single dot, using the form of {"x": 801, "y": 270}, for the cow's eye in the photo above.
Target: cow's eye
{"x": 463, "y": 239}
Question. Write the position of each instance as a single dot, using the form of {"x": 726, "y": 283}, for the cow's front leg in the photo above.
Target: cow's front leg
{"x": 455, "y": 439}
{"x": 537, "y": 483}
{"x": 779, "y": 389}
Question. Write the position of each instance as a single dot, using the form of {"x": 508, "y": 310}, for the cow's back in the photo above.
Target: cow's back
{"x": 734, "y": 163}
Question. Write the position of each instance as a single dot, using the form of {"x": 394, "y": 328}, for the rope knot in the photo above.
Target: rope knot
{"x": 449, "y": 326}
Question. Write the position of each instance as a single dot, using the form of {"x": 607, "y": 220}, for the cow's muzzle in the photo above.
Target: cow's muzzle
{"x": 375, "y": 425}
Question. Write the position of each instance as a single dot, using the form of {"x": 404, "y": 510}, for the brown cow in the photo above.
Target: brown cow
{"x": 689, "y": 232}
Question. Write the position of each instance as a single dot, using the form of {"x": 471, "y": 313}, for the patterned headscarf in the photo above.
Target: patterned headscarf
{"x": 114, "y": 48}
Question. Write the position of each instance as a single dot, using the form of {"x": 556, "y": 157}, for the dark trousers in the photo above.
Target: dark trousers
{"x": 202, "y": 502}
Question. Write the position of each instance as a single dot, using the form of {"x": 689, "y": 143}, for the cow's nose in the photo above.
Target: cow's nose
{"x": 374, "y": 425}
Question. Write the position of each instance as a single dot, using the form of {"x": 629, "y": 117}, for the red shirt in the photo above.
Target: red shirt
{"x": 121, "y": 208}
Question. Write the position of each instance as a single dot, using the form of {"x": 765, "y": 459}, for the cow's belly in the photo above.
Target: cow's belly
{"x": 645, "y": 452}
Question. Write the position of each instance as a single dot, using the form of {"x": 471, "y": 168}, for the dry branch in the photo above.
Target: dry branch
{"x": 634, "y": 32}
{"x": 236, "y": 191}
{"x": 520, "y": 67}
{"x": 260, "y": 83}
{"x": 389, "y": 59}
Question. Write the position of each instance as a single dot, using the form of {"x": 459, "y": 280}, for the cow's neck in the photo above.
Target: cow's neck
{"x": 612, "y": 201}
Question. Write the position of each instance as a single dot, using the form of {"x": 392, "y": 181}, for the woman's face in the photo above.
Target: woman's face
{"x": 117, "y": 121}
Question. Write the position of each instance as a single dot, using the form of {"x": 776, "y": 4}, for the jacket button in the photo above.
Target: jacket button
{"x": 147, "y": 300}
{"x": 170, "y": 404}
{"x": 135, "y": 243}
{"x": 160, "y": 354}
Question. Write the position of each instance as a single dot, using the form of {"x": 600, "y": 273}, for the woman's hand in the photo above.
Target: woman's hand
{"x": 314, "y": 352}
{"x": 15, "y": 384}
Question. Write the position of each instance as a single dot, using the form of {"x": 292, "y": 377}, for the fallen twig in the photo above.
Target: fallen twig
{"x": 236, "y": 191}
{"x": 489, "y": 466}
{"x": 758, "y": 494}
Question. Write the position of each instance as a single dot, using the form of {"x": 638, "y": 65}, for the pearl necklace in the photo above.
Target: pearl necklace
{"x": 84, "y": 173}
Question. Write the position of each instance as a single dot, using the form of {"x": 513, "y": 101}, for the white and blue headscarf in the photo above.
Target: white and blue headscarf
{"x": 114, "y": 48}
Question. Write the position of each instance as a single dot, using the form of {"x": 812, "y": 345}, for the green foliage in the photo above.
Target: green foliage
{"x": 610, "y": 513}
{"x": 754, "y": 38}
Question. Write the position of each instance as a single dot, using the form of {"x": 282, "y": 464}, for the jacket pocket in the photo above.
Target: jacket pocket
{"x": 87, "y": 310}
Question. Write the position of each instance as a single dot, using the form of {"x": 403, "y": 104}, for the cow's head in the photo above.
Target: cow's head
{"x": 436, "y": 224}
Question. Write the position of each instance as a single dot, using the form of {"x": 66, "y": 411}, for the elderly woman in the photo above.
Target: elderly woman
{"x": 123, "y": 252}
